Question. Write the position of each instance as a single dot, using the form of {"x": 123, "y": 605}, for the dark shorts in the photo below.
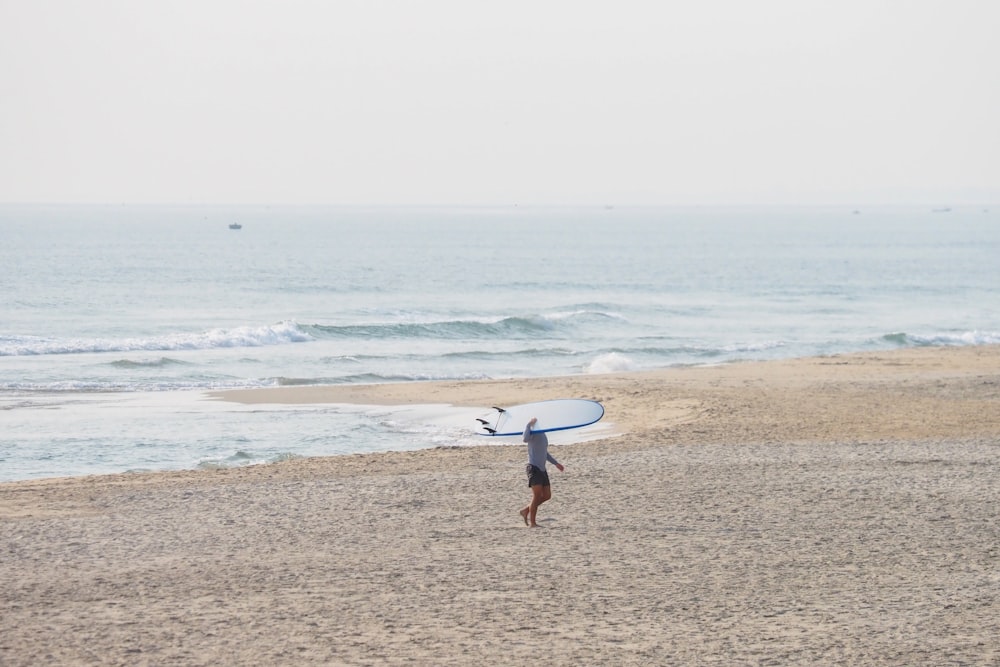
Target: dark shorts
{"x": 537, "y": 476}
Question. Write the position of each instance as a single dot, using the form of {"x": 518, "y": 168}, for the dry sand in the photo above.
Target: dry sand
{"x": 837, "y": 510}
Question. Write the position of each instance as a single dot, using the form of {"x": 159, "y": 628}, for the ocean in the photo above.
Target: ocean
{"x": 116, "y": 320}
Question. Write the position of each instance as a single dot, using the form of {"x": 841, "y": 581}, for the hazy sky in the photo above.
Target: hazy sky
{"x": 472, "y": 102}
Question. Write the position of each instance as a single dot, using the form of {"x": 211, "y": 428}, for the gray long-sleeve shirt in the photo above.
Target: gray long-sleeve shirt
{"x": 538, "y": 448}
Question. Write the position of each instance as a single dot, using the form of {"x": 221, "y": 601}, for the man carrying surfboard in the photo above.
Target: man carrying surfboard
{"x": 538, "y": 478}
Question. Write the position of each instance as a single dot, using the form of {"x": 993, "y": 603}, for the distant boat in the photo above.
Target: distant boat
{"x": 941, "y": 210}
{"x": 235, "y": 225}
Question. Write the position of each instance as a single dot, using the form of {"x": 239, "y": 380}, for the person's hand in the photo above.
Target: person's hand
{"x": 561, "y": 467}
{"x": 533, "y": 420}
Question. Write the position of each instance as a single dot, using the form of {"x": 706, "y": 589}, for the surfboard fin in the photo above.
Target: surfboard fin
{"x": 482, "y": 421}
{"x": 499, "y": 409}
{"x": 490, "y": 430}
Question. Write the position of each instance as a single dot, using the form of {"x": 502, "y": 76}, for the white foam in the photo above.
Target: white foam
{"x": 613, "y": 362}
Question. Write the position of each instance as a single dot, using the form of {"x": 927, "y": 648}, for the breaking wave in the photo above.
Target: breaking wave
{"x": 276, "y": 334}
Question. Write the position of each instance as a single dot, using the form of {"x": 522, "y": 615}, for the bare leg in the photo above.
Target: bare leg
{"x": 539, "y": 494}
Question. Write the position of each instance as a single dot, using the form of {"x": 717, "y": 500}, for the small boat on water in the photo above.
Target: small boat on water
{"x": 235, "y": 225}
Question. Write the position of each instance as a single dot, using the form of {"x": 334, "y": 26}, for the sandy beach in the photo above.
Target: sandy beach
{"x": 826, "y": 511}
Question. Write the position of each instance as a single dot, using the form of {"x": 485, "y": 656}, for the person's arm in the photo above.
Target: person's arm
{"x": 553, "y": 461}
{"x": 527, "y": 429}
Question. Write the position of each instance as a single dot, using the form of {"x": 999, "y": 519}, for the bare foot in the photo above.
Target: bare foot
{"x": 524, "y": 515}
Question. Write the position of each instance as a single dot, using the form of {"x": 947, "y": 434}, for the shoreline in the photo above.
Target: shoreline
{"x": 830, "y": 510}
{"x": 657, "y": 399}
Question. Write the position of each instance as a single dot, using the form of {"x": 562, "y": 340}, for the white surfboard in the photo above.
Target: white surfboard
{"x": 556, "y": 415}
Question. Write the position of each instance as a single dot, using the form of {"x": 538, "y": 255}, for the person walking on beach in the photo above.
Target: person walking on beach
{"x": 538, "y": 478}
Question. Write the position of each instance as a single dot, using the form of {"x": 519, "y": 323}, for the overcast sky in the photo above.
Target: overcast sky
{"x": 474, "y": 102}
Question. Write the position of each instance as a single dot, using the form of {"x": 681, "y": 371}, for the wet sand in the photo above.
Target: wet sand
{"x": 833, "y": 510}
